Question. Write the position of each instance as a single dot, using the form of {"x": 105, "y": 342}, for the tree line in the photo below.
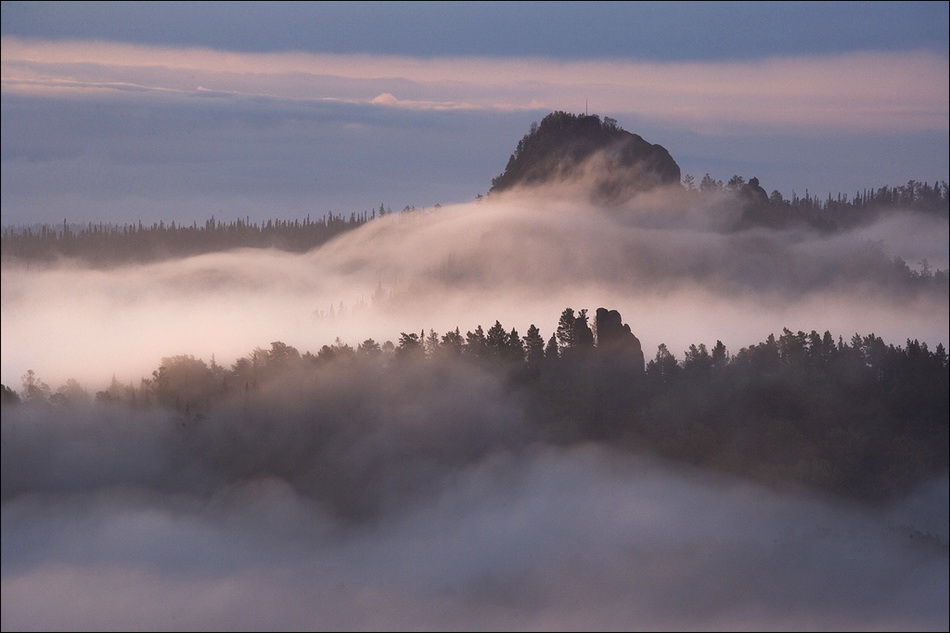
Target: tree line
{"x": 830, "y": 213}
{"x": 113, "y": 244}
{"x": 109, "y": 244}
{"x": 861, "y": 418}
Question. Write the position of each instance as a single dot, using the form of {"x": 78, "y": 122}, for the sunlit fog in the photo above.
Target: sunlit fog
{"x": 668, "y": 266}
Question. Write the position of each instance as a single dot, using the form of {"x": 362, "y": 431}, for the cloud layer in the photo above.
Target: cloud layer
{"x": 104, "y": 131}
{"x": 882, "y": 92}
{"x": 128, "y": 520}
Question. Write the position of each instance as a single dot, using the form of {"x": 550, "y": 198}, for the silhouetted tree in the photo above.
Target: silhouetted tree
{"x": 452, "y": 343}
{"x": 708, "y": 183}
{"x": 369, "y": 349}
{"x": 663, "y": 368}
{"x": 697, "y": 362}
{"x": 565, "y": 330}
{"x": 8, "y": 395}
{"x": 514, "y": 347}
{"x": 720, "y": 357}
{"x": 182, "y": 382}
{"x": 432, "y": 344}
{"x": 533, "y": 345}
{"x": 410, "y": 347}
{"x": 497, "y": 340}
{"x": 476, "y": 345}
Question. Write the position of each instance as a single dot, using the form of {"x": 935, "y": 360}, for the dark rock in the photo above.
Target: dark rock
{"x": 612, "y": 162}
{"x": 753, "y": 195}
{"x": 614, "y": 337}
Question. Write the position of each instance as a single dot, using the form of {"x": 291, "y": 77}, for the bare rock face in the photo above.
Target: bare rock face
{"x": 611, "y": 162}
{"x": 615, "y": 338}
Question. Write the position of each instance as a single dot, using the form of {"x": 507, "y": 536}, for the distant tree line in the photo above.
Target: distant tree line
{"x": 830, "y": 213}
{"x": 111, "y": 244}
{"x": 107, "y": 244}
{"x": 860, "y": 418}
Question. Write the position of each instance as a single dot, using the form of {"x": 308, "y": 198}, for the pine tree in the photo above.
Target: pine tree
{"x": 565, "y": 331}
{"x": 533, "y": 345}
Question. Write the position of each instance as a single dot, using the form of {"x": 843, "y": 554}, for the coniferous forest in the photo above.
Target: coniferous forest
{"x": 861, "y": 418}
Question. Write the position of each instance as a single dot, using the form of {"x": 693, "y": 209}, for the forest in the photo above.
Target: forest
{"x": 861, "y": 418}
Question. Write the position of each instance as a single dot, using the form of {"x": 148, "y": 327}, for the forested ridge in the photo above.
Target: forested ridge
{"x": 859, "y": 417}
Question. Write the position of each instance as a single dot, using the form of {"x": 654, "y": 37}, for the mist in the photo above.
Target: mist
{"x": 666, "y": 263}
{"x": 353, "y": 505}
{"x": 426, "y": 496}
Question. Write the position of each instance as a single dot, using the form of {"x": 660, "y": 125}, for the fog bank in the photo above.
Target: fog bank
{"x": 132, "y": 520}
{"x": 665, "y": 262}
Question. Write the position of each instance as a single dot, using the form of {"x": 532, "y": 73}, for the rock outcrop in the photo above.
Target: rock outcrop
{"x": 610, "y": 162}
{"x": 615, "y": 339}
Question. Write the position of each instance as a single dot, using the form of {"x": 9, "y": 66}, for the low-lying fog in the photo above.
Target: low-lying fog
{"x": 120, "y": 520}
{"x": 669, "y": 270}
{"x": 409, "y": 500}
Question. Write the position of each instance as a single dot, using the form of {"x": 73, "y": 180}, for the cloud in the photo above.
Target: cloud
{"x": 114, "y": 132}
{"x": 387, "y": 99}
{"x": 880, "y": 92}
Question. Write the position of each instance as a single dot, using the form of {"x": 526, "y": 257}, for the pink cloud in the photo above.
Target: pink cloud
{"x": 896, "y": 92}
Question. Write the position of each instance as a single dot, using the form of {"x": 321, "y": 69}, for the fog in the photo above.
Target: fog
{"x": 354, "y": 506}
{"x": 663, "y": 261}
{"x": 424, "y": 497}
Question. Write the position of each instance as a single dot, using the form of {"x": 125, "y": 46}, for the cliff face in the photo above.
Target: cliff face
{"x": 612, "y": 162}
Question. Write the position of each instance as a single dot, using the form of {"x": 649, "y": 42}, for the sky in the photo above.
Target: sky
{"x": 120, "y": 112}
